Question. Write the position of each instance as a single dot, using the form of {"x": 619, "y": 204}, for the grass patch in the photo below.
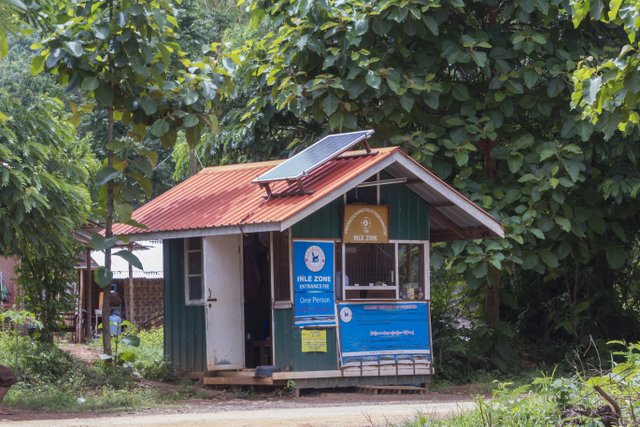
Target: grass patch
{"x": 52, "y": 380}
{"x": 146, "y": 360}
{"x": 597, "y": 397}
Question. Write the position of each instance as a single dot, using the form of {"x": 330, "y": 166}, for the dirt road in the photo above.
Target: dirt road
{"x": 383, "y": 413}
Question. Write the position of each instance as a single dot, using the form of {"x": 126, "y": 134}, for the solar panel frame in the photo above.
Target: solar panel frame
{"x": 313, "y": 156}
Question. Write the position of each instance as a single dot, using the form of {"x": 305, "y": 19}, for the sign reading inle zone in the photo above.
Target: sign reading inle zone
{"x": 366, "y": 224}
{"x": 314, "y": 283}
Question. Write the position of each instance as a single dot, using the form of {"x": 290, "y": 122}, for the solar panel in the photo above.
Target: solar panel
{"x": 314, "y": 156}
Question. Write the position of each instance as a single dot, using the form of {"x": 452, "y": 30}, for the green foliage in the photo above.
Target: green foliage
{"x": 42, "y": 179}
{"x": 477, "y": 92}
{"x": 145, "y": 355}
{"x": 126, "y": 56}
{"x": 8, "y": 16}
{"x": 51, "y": 379}
{"x": 552, "y": 400}
{"x": 606, "y": 86}
{"x": 44, "y": 282}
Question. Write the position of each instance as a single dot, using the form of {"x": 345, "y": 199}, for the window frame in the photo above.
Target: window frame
{"x": 187, "y": 275}
{"x": 396, "y": 274}
{"x": 281, "y": 303}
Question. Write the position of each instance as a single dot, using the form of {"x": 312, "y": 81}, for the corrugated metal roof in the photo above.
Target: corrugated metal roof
{"x": 223, "y": 199}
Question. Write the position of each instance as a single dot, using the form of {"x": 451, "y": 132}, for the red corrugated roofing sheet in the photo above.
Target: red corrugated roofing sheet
{"x": 224, "y": 196}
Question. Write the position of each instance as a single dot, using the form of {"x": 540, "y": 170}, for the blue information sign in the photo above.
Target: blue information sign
{"x": 314, "y": 283}
{"x": 374, "y": 332}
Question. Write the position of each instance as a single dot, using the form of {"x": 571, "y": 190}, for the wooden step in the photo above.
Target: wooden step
{"x": 237, "y": 380}
{"x": 391, "y": 389}
{"x": 240, "y": 373}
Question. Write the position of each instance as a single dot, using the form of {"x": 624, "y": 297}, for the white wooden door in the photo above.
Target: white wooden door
{"x": 224, "y": 290}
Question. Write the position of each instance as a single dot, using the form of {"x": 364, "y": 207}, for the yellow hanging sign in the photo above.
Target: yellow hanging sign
{"x": 314, "y": 341}
{"x": 366, "y": 224}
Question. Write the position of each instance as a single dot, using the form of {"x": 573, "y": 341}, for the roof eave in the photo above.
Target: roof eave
{"x": 493, "y": 227}
{"x": 206, "y": 232}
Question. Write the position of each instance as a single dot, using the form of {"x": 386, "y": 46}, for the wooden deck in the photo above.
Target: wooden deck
{"x": 347, "y": 376}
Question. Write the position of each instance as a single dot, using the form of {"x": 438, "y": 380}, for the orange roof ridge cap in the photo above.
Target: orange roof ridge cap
{"x": 352, "y": 153}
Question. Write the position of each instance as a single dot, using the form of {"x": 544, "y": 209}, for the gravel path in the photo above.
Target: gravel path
{"x": 352, "y": 414}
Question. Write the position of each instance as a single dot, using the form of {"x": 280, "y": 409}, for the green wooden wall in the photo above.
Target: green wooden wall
{"x": 184, "y": 326}
{"x": 408, "y": 217}
{"x": 325, "y": 223}
{"x": 408, "y": 213}
{"x": 408, "y": 220}
{"x": 288, "y": 344}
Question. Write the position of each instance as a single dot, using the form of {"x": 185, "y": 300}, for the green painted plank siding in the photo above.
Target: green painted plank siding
{"x": 288, "y": 346}
{"x": 184, "y": 325}
{"x": 408, "y": 217}
{"x": 325, "y": 223}
{"x": 408, "y": 213}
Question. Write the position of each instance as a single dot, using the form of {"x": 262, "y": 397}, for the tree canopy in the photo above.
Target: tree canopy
{"x": 606, "y": 87}
{"x": 527, "y": 107}
{"x": 480, "y": 93}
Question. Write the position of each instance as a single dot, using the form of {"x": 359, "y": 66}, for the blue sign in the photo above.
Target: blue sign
{"x": 314, "y": 283}
{"x": 374, "y": 332}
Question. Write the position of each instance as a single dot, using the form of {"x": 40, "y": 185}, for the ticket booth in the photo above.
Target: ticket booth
{"x": 312, "y": 271}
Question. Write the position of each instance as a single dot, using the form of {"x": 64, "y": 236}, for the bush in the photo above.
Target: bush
{"x": 38, "y": 363}
{"x": 593, "y": 398}
{"x": 147, "y": 358}
{"x": 51, "y": 379}
{"x": 150, "y": 361}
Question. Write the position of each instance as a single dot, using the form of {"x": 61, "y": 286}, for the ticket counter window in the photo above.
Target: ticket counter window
{"x": 384, "y": 271}
{"x": 370, "y": 271}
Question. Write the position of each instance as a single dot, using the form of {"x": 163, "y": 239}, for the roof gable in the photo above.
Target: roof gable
{"x": 223, "y": 200}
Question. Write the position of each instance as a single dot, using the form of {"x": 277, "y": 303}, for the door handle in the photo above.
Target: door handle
{"x": 210, "y": 297}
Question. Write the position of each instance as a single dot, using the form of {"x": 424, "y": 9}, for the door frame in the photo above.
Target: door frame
{"x": 223, "y": 280}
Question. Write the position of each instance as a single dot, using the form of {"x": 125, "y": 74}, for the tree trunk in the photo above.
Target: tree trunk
{"x": 193, "y": 165}
{"x": 490, "y": 165}
{"x": 492, "y": 301}
{"x": 108, "y": 232}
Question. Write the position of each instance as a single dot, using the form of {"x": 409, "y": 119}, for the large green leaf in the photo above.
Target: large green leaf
{"x": 149, "y": 105}
{"x": 616, "y": 257}
{"x": 131, "y": 340}
{"x": 549, "y": 258}
{"x": 104, "y": 94}
{"x": 329, "y": 104}
{"x": 130, "y": 257}
{"x": 103, "y": 277}
{"x": 100, "y": 243}
{"x": 75, "y": 48}
{"x": 37, "y": 64}
{"x": 90, "y": 83}
{"x": 106, "y": 175}
{"x": 159, "y": 127}
{"x": 373, "y": 79}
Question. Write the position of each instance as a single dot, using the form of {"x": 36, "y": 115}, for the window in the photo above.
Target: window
{"x": 370, "y": 264}
{"x": 411, "y": 271}
{"x": 385, "y": 271}
{"x": 281, "y": 279}
{"x": 193, "y": 271}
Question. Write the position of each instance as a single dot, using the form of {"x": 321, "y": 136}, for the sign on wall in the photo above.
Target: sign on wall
{"x": 314, "y": 340}
{"x": 314, "y": 283}
{"x": 366, "y": 224}
{"x": 375, "y": 332}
